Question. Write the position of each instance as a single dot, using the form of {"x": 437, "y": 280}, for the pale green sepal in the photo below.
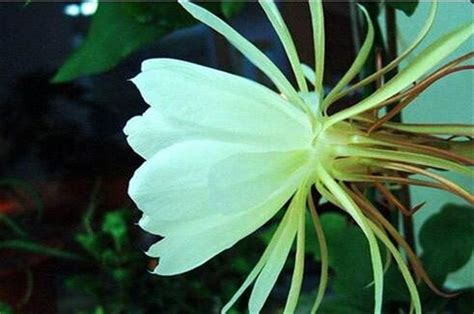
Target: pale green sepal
{"x": 276, "y": 260}
{"x": 395, "y": 62}
{"x": 415, "y": 298}
{"x": 317, "y": 22}
{"x": 260, "y": 264}
{"x": 353, "y": 210}
{"x": 298, "y": 270}
{"x": 425, "y": 61}
{"x": 356, "y": 65}
{"x": 324, "y": 260}
{"x": 312, "y": 100}
{"x": 407, "y": 157}
{"x": 283, "y": 33}
{"x": 434, "y": 129}
{"x": 258, "y": 58}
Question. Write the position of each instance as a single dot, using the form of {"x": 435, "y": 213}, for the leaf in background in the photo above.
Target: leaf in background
{"x": 349, "y": 261}
{"x": 113, "y": 35}
{"x": 341, "y": 304}
{"x": 5, "y": 308}
{"x": 349, "y": 257}
{"x": 85, "y": 283}
{"x": 119, "y": 29}
{"x": 447, "y": 240}
{"x": 408, "y": 7}
{"x": 230, "y": 8}
{"x": 89, "y": 242}
{"x": 115, "y": 224}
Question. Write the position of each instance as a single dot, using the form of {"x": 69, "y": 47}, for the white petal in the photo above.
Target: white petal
{"x": 190, "y": 244}
{"x": 151, "y": 132}
{"x": 248, "y": 179}
{"x": 222, "y": 106}
{"x": 173, "y": 184}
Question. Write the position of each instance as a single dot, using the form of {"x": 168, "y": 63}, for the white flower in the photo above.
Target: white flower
{"x": 224, "y": 154}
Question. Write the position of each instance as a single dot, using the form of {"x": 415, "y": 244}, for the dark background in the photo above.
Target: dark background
{"x": 64, "y": 138}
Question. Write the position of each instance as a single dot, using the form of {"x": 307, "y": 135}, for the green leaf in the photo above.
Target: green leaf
{"x": 89, "y": 242}
{"x": 84, "y": 283}
{"x": 231, "y": 8}
{"x": 349, "y": 257}
{"x": 109, "y": 257}
{"x": 117, "y": 30}
{"x": 32, "y": 247}
{"x": 99, "y": 310}
{"x": 5, "y": 308}
{"x": 115, "y": 225}
{"x": 341, "y": 304}
{"x": 122, "y": 275}
{"x": 407, "y": 7}
{"x": 447, "y": 240}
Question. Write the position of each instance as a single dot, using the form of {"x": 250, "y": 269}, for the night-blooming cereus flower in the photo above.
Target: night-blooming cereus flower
{"x": 225, "y": 154}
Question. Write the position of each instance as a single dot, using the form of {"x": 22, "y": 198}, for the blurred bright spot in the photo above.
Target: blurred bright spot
{"x": 86, "y": 8}
{"x": 72, "y": 10}
{"x": 89, "y": 7}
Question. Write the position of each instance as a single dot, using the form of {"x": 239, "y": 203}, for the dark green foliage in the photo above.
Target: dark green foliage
{"x": 5, "y": 309}
{"x": 120, "y": 28}
{"x": 231, "y": 8}
{"x": 407, "y": 7}
{"x": 118, "y": 279}
{"x": 447, "y": 243}
{"x": 447, "y": 240}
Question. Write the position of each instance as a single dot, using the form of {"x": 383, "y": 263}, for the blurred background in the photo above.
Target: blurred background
{"x": 68, "y": 239}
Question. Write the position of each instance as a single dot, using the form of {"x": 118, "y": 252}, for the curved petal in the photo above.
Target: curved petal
{"x": 189, "y": 244}
{"x": 173, "y": 184}
{"x": 221, "y": 106}
{"x": 151, "y": 132}
{"x": 246, "y": 180}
